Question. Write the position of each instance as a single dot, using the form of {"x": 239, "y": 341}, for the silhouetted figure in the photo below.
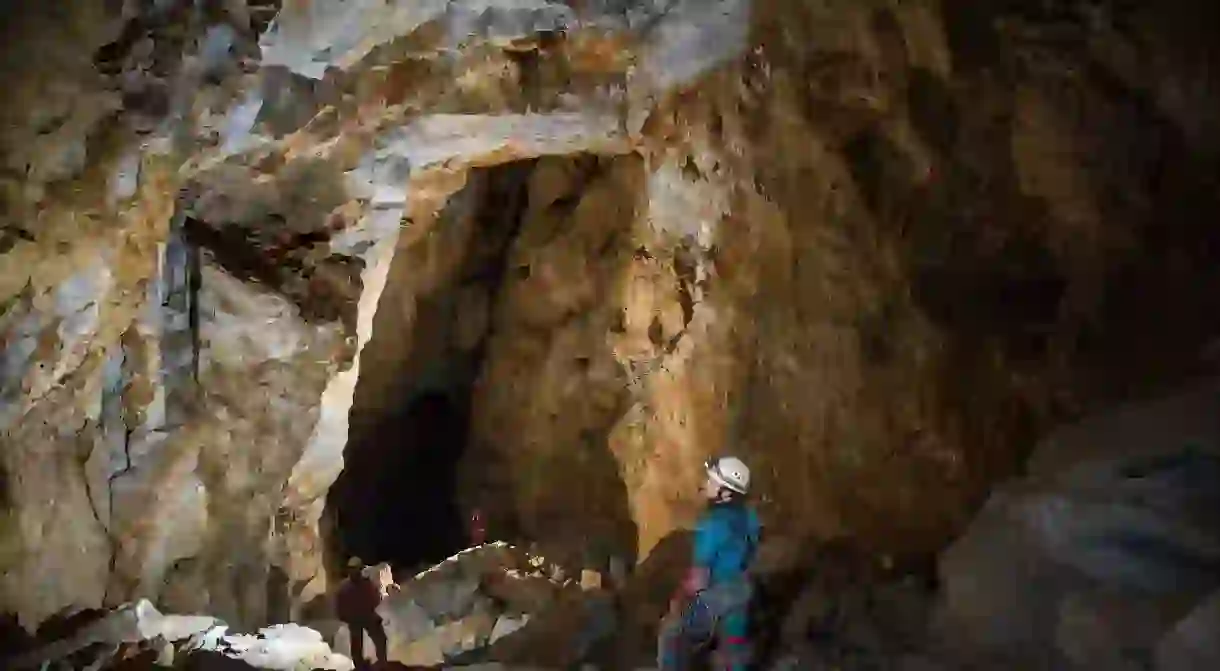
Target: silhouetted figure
{"x": 356, "y": 602}
{"x": 478, "y": 528}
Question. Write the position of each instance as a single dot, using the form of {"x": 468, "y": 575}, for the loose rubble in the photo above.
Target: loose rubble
{"x": 443, "y": 615}
{"x": 137, "y": 628}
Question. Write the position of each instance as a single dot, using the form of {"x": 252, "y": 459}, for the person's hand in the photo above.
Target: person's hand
{"x": 694, "y": 582}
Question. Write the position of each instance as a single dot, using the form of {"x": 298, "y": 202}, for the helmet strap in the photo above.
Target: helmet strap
{"x": 723, "y": 491}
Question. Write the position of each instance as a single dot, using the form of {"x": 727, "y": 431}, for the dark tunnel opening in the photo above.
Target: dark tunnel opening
{"x": 398, "y": 497}
{"x": 409, "y": 512}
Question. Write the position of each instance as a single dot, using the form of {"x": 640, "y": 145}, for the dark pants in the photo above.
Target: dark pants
{"x": 600, "y": 623}
{"x": 376, "y": 632}
{"x": 719, "y": 615}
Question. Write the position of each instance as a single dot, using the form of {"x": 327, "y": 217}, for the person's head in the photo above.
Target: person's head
{"x": 728, "y": 478}
{"x": 354, "y": 566}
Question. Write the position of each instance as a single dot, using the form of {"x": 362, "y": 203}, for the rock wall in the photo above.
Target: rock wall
{"x": 877, "y": 255}
{"x": 874, "y": 247}
{"x": 1104, "y": 556}
{"x": 85, "y": 232}
{"x": 182, "y": 327}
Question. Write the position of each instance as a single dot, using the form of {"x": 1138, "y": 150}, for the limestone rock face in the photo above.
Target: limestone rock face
{"x": 873, "y": 247}
{"x": 1090, "y": 561}
{"x": 188, "y": 283}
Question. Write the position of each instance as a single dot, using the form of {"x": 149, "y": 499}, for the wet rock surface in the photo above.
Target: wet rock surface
{"x": 1104, "y": 559}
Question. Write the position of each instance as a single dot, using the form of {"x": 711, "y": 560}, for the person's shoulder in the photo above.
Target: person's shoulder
{"x": 721, "y": 515}
{"x": 710, "y": 519}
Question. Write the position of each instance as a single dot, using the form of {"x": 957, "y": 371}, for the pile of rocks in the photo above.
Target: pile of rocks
{"x": 449, "y": 614}
{"x": 1105, "y": 555}
{"x": 453, "y": 611}
{"x": 137, "y": 635}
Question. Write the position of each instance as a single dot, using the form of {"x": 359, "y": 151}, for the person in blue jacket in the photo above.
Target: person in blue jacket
{"x": 714, "y": 600}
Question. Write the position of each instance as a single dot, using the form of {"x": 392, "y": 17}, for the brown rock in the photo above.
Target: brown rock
{"x": 875, "y": 248}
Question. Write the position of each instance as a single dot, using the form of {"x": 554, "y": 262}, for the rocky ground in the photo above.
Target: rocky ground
{"x": 486, "y": 604}
{"x": 1105, "y": 556}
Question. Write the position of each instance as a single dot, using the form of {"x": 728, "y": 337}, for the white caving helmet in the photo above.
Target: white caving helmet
{"x": 730, "y": 473}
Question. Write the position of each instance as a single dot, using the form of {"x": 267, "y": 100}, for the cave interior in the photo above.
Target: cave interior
{"x": 398, "y": 499}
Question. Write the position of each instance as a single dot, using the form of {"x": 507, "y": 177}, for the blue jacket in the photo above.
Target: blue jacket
{"x": 725, "y": 539}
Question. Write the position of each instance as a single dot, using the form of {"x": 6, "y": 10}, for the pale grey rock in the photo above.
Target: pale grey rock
{"x": 1084, "y": 560}
{"x": 285, "y": 647}
{"x": 131, "y": 623}
{"x": 693, "y": 37}
{"x": 506, "y": 625}
{"x": 322, "y": 35}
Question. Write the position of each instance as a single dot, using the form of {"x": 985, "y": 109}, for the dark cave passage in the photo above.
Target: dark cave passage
{"x": 397, "y": 499}
{"x": 406, "y": 509}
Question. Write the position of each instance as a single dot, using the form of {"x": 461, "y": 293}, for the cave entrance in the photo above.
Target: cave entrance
{"x": 397, "y": 498}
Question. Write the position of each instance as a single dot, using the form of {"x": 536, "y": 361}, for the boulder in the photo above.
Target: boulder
{"x": 1088, "y": 561}
{"x": 285, "y": 647}
{"x": 506, "y": 625}
{"x": 461, "y": 605}
{"x": 1194, "y": 642}
{"x": 410, "y": 632}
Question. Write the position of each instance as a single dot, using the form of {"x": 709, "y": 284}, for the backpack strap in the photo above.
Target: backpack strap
{"x": 740, "y": 525}
{"x": 752, "y": 543}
